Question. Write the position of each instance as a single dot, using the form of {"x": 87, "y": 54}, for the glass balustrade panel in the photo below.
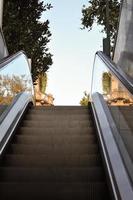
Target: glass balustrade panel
{"x": 15, "y": 77}
{"x": 119, "y": 100}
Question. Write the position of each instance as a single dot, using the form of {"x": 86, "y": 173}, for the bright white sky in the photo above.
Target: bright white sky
{"x": 73, "y": 52}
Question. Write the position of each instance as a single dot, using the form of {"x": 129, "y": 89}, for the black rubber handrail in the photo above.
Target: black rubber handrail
{"x": 117, "y": 71}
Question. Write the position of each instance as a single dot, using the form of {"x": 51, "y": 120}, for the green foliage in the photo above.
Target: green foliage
{"x": 23, "y": 30}
{"x": 85, "y": 100}
{"x": 95, "y": 12}
{"x": 106, "y": 81}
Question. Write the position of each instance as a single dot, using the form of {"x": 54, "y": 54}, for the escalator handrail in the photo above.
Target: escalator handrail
{"x": 121, "y": 187}
{"x": 12, "y": 117}
{"x": 117, "y": 71}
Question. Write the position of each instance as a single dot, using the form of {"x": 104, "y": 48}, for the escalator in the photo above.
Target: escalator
{"x": 50, "y": 158}
{"x": 64, "y": 152}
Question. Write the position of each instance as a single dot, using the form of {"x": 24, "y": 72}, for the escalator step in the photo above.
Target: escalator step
{"x": 54, "y": 155}
{"x": 48, "y": 139}
{"x": 64, "y": 124}
{"x": 57, "y": 191}
{"x": 33, "y": 161}
{"x": 55, "y": 108}
{"x": 47, "y": 117}
{"x": 56, "y": 131}
{"x": 51, "y": 174}
{"x": 54, "y": 149}
{"x": 59, "y": 111}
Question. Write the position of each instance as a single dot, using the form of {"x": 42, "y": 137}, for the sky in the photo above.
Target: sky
{"x": 73, "y": 51}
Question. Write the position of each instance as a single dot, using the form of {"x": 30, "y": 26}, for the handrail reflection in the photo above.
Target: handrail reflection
{"x": 117, "y": 71}
{"x": 15, "y": 77}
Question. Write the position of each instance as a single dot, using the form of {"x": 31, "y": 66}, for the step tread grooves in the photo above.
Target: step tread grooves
{"x": 54, "y": 155}
{"x": 63, "y": 191}
{"x": 51, "y": 174}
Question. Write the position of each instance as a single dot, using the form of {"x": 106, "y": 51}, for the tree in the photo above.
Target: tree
{"x": 23, "y": 30}
{"x": 85, "y": 100}
{"x": 106, "y": 81}
{"x": 42, "y": 82}
{"x": 95, "y": 12}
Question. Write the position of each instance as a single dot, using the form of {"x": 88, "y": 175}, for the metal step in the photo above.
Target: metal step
{"x": 59, "y": 111}
{"x": 51, "y": 174}
{"x": 54, "y": 117}
{"x": 73, "y": 149}
{"x": 58, "y": 131}
{"x": 59, "y": 123}
{"x": 54, "y": 139}
{"x": 33, "y": 161}
{"x": 54, "y": 155}
{"x": 57, "y": 191}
